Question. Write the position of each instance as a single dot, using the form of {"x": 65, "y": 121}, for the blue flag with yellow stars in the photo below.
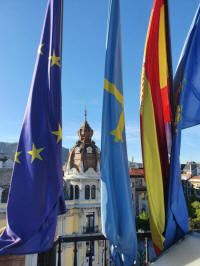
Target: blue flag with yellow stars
{"x": 177, "y": 221}
{"x": 188, "y": 72}
{"x": 36, "y": 195}
{"x": 118, "y": 222}
{"x": 187, "y": 103}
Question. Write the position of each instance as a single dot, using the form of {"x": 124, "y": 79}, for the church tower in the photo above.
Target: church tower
{"x": 82, "y": 194}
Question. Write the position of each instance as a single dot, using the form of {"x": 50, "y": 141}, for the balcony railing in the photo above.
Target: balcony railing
{"x": 49, "y": 258}
{"x": 75, "y": 239}
{"x": 90, "y": 230}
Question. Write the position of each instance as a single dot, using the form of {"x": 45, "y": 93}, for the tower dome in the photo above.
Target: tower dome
{"x": 85, "y": 154}
{"x": 85, "y": 132}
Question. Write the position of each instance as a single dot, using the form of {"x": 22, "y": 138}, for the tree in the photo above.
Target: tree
{"x": 194, "y": 221}
{"x": 142, "y": 221}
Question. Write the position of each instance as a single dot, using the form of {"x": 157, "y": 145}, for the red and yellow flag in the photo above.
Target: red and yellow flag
{"x": 155, "y": 114}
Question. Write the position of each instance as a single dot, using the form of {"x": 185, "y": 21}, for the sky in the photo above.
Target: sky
{"x": 84, "y": 38}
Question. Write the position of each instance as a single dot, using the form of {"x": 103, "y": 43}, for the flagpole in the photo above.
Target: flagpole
{"x": 169, "y": 59}
{"x": 61, "y": 36}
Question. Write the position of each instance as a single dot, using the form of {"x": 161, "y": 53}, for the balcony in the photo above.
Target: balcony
{"x": 90, "y": 230}
{"x": 49, "y": 258}
{"x": 53, "y": 257}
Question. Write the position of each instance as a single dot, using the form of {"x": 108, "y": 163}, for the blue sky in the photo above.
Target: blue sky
{"x": 84, "y": 35}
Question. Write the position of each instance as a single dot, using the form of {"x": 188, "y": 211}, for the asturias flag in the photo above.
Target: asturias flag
{"x": 155, "y": 117}
{"x": 36, "y": 195}
{"x": 117, "y": 210}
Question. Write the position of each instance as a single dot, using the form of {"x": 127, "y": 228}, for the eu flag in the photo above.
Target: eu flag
{"x": 187, "y": 102}
{"x": 36, "y": 195}
{"x": 117, "y": 210}
{"x": 188, "y": 75}
{"x": 177, "y": 215}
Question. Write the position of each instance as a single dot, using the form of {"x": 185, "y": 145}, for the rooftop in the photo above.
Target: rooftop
{"x": 136, "y": 172}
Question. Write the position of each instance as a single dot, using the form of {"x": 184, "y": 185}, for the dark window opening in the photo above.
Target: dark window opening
{"x": 93, "y": 192}
{"x": 87, "y": 192}
{"x": 4, "y": 197}
{"x": 71, "y": 195}
{"x": 76, "y": 192}
{"x": 90, "y": 223}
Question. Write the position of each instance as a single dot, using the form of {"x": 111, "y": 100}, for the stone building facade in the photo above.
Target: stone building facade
{"x": 82, "y": 193}
{"x": 139, "y": 191}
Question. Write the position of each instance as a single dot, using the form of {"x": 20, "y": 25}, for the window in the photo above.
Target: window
{"x": 89, "y": 248}
{"x": 4, "y": 197}
{"x": 66, "y": 196}
{"x": 90, "y": 223}
{"x": 65, "y": 190}
{"x": 71, "y": 194}
{"x": 93, "y": 192}
{"x": 76, "y": 192}
{"x": 89, "y": 149}
{"x": 87, "y": 192}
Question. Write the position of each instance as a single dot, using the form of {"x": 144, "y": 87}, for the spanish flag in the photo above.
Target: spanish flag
{"x": 155, "y": 118}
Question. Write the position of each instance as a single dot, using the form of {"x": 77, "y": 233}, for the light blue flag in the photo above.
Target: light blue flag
{"x": 188, "y": 71}
{"x": 116, "y": 205}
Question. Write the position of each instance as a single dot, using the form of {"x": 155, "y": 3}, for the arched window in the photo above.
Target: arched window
{"x": 93, "y": 192}
{"x": 76, "y": 192}
{"x": 87, "y": 192}
{"x": 65, "y": 190}
{"x": 71, "y": 194}
{"x": 4, "y": 197}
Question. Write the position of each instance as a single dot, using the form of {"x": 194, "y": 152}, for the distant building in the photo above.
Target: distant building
{"x": 82, "y": 192}
{"x": 6, "y": 165}
{"x": 5, "y": 161}
{"x": 195, "y": 181}
{"x": 135, "y": 165}
{"x": 191, "y": 168}
{"x": 190, "y": 176}
{"x": 139, "y": 191}
{"x": 195, "y": 185}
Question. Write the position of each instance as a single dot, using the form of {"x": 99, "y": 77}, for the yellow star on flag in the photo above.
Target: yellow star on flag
{"x": 58, "y": 133}
{"x": 16, "y": 157}
{"x": 40, "y": 48}
{"x": 35, "y": 153}
{"x": 54, "y": 59}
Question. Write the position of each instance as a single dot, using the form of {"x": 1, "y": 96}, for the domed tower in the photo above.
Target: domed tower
{"x": 82, "y": 193}
{"x": 85, "y": 155}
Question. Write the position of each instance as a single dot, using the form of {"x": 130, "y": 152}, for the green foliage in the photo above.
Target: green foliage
{"x": 191, "y": 210}
{"x": 193, "y": 205}
{"x": 142, "y": 222}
